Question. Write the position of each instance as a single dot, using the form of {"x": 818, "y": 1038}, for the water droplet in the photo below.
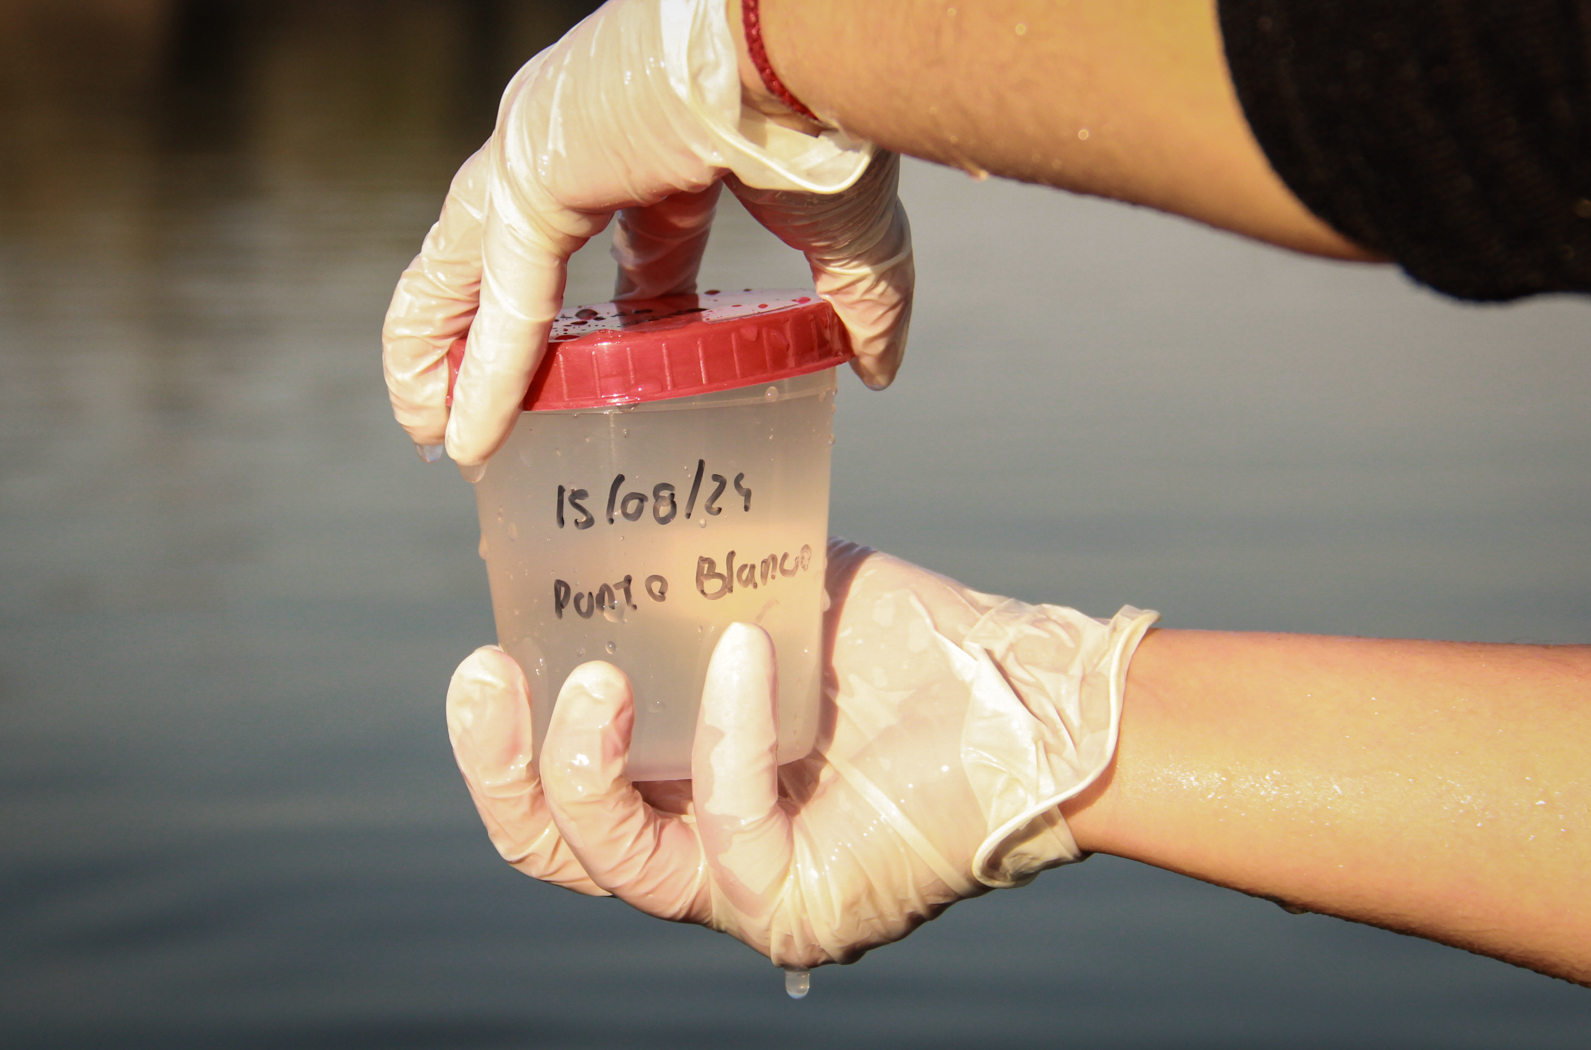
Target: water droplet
{"x": 701, "y": 523}
{"x": 612, "y": 648}
{"x": 499, "y": 514}
{"x": 797, "y": 983}
{"x": 580, "y": 652}
{"x": 655, "y": 705}
{"x": 613, "y": 614}
{"x": 585, "y": 313}
{"x": 831, "y": 439}
{"x": 626, "y": 431}
{"x": 771, "y": 394}
{"x": 513, "y": 530}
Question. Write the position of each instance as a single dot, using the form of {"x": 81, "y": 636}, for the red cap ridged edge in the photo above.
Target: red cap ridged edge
{"x": 660, "y": 359}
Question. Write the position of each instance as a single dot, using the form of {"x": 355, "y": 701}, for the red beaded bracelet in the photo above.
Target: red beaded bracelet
{"x": 759, "y": 58}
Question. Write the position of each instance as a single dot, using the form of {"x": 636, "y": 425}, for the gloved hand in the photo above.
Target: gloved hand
{"x": 955, "y": 724}
{"x": 637, "y": 110}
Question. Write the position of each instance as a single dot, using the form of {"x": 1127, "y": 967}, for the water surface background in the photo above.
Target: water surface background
{"x": 230, "y": 595}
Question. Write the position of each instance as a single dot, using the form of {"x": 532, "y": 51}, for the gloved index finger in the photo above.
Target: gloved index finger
{"x": 433, "y": 305}
{"x": 648, "y": 859}
{"x": 526, "y": 242}
{"x": 489, "y": 724}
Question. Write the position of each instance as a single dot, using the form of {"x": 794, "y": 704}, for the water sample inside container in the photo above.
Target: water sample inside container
{"x": 670, "y": 476}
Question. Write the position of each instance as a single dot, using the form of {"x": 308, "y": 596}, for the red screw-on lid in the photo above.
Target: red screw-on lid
{"x": 651, "y": 349}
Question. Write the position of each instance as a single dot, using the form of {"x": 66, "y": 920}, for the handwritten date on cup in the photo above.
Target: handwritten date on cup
{"x": 613, "y": 599}
{"x": 664, "y": 500}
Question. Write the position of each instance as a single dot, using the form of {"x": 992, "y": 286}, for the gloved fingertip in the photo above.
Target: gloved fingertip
{"x": 873, "y": 377}
{"x": 487, "y": 700}
{"x": 453, "y": 440}
{"x": 743, "y": 650}
{"x": 429, "y": 453}
{"x": 589, "y": 737}
{"x": 465, "y": 449}
{"x": 597, "y": 679}
{"x": 593, "y": 695}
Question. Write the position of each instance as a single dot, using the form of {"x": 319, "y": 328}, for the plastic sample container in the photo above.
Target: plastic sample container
{"x": 669, "y": 476}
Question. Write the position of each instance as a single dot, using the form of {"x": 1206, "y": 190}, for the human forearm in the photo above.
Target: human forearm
{"x": 1129, "y": 100}
{"x": 1434, "y": 788}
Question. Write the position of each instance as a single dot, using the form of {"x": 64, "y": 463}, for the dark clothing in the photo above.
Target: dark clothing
{"x": 1453, "y": 136}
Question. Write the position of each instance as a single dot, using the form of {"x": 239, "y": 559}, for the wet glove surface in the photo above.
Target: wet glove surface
{"x": 953, "y": 724}
{"x": 636, "y": 111}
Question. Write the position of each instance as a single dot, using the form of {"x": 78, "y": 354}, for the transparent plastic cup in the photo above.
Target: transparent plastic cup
{"x": 669, "y": 477}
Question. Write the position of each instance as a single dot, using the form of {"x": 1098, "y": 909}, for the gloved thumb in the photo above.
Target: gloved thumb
{"x": 659, "y": 247}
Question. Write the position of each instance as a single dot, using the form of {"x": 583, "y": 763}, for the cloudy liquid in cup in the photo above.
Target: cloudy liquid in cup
{"x": 636, "y": 534}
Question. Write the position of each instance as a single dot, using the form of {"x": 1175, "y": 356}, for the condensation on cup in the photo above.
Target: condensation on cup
{"x": 669, "y": 477}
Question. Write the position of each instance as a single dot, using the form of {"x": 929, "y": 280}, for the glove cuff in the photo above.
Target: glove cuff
{"x": 704, "y": 72}
{"x": 1047, "y": 684}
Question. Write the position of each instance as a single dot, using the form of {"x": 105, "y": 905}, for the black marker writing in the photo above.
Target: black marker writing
{"x": 723, "y": 582}
{"x": 713, "y": 585}
{"x": 663, "y": 493}
{"x": 719, "y": 491}
{"x": 606, "y": 597}
{"x": 586, "y": 520}
{"x": 664, "y": 499}
{"x": 696, "y": 486}
{"x": 613, "y": 494}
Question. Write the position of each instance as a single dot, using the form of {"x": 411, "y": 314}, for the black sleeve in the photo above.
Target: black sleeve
{"x": 1452, "y": 135}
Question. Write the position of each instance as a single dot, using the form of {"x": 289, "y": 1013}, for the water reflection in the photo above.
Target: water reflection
{"x": 232, "y": 595}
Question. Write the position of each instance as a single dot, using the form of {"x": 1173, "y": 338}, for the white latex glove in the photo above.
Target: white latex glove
{"x": 637, "y": 110}
{"x": 956, "y": 722}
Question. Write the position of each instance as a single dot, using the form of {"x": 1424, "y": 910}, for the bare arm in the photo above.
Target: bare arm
{"x": 1128, "y": 99}
{"x": 1433, "y": 788}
